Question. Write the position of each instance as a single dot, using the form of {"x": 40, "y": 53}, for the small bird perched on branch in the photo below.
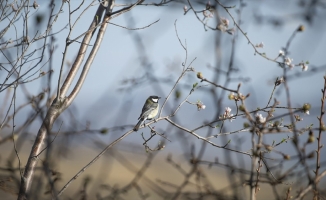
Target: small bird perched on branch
{"x": 149, "y": 111}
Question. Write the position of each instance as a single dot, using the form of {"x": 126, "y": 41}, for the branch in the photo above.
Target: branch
{"x": 204, "y": 139}
{"x": 80, "y": 57}
{"x": 57, "y": 107}
{"x": 93, "y": 161}
{"x": 134, "y": 28}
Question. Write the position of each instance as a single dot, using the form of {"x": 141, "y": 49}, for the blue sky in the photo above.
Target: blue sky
{"x": 102, "y": 103}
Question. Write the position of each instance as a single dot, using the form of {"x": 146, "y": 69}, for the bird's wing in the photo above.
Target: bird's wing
{"x": 146, "y": 113}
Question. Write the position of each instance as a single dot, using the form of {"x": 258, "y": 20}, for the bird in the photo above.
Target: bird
{"x": 149, "y": 111}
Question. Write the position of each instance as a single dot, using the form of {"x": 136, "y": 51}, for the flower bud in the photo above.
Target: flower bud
{"x": 286, "y": 157}
{"x": 306, "y": 107}
{"x": 323, "y": 127}
{"x": 281, "y": 53}
{"x": 200, "y": 75}
{"x": 301, "y": 28}
{"x": 231, "y": 96}
{"x": 185, "y": 8}
{"x": 311, "y": 139}
{"x": 35, "y": 5}
{"x": 242, "y": 108}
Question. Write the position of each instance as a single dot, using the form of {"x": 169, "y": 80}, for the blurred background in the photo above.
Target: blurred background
{"x": 134, "y": 64}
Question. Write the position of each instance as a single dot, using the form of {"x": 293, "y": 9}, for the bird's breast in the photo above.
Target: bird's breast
{"x": 153, "y": 113}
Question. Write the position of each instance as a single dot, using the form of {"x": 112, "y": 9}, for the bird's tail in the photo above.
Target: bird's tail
{"x": 138, "y": 124}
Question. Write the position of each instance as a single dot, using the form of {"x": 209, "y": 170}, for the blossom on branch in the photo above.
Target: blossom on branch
{"x": 260, "y": 45}
{"x": 206, "y": 13}
{"x": 304, "y": 66}
{"x": 288, "y": 61}
{"x": 223, "y": 24}
{"x": 35, "y": 5}
{"x": 298, "y": 118}
{"x": 185, "y": 8}
{"x": 200, "y": 105}
{"x": 281, "y": 53}
{"x": 260, "y": 118}
{"x": 231, "y": 96}
{"x": 227, "y": 114}
{"x": 305, "y": 108}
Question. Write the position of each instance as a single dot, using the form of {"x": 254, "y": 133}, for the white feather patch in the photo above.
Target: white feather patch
{"x": 155, "y": 100}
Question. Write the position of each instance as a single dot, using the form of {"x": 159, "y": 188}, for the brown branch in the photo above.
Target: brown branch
{"x": 57, "y": 107}
{"x": 80, "y": 57}
{"x": 310, "y": 187}
{"x": 93, "y": 161}
{"x": 204, "y": 139}
{"x": 321, "y": 128}
{"x": 133, "y": 29}
{"x": 216, "y": 85}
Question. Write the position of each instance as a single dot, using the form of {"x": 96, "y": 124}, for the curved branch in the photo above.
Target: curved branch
{"x": 89, "y": 62}
{"x": 57, "y": 107}
{"x": 81, "y": 54}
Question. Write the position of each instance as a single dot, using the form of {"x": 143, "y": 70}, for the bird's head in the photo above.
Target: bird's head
{"x": 154, "y": 98}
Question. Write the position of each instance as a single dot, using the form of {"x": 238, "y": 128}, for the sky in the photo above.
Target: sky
{"x": 118, "y": 57}
{"x": 104, "y": 97}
